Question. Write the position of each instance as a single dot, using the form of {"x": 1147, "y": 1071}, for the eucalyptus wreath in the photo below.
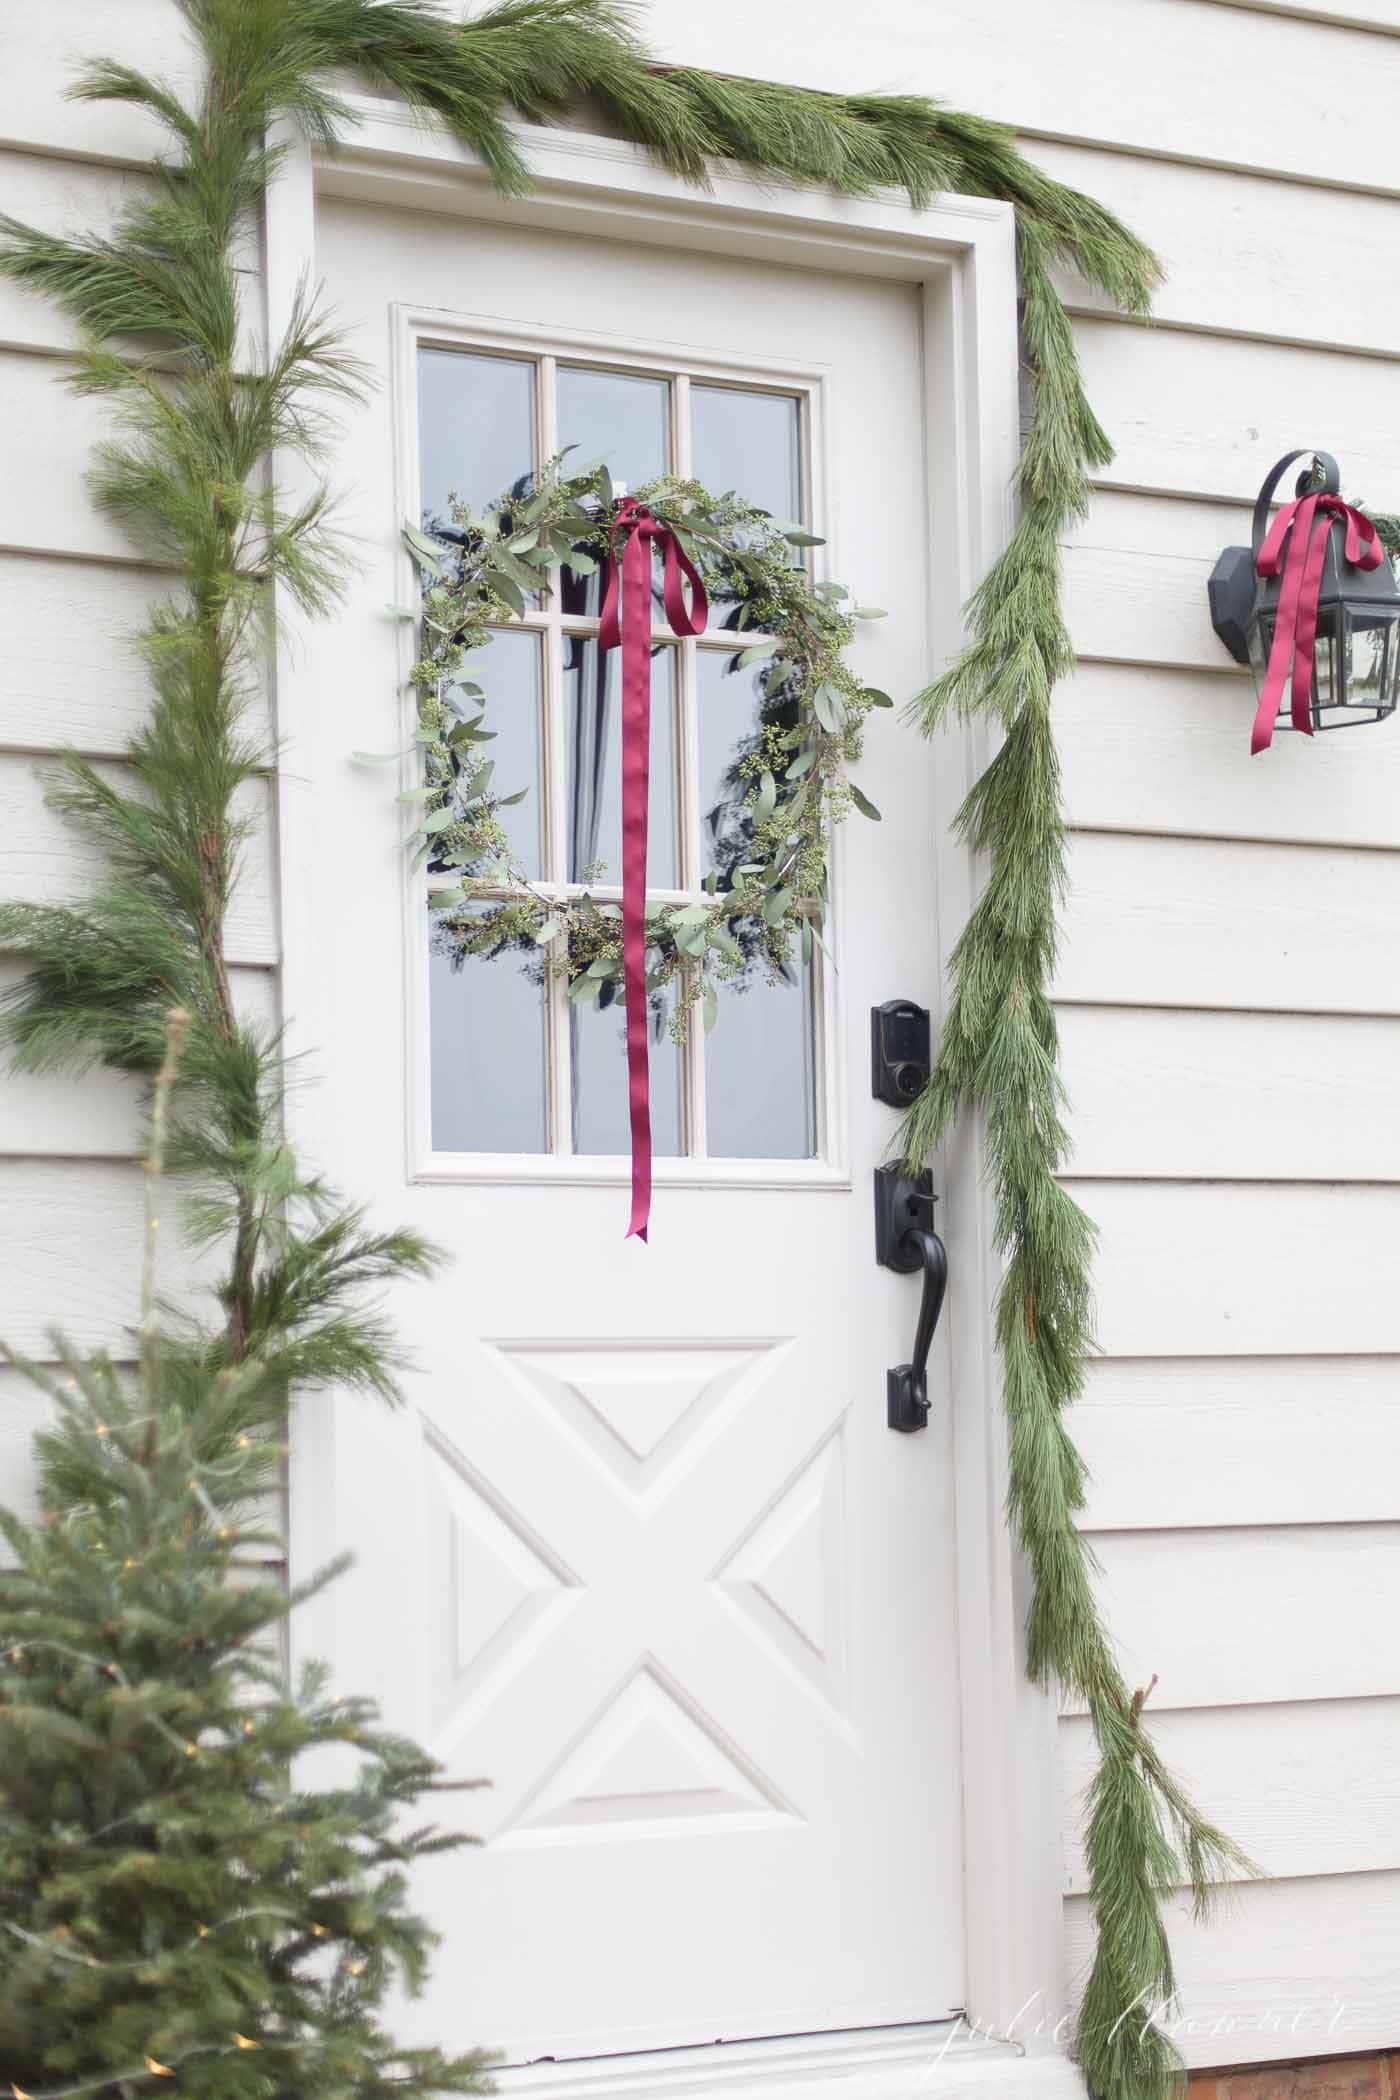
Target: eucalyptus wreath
{"x": 785, "y": 788}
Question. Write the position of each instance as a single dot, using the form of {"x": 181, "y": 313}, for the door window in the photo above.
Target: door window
{"x": 515, "y": 1065}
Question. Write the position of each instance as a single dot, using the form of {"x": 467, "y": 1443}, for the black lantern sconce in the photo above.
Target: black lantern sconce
{"x": 1312, "y": 607}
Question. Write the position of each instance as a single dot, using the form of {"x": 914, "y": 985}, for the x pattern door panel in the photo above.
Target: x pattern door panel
{"x": 674, "y": 1524}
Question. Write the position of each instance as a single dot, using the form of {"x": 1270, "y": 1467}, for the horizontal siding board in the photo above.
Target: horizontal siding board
{"x": 1174, "y": 1444}
{"x": 1158, "y": 75}
{"x": 1207, "y": 415}
{"x": 68, "y": 674}
{"x": 46, "y": 859}
{"x": 46, "y": 48}
{"x": 61, "y": 196}
{"x": 1149, "y": 750}
{"x": 1147, "y": 606}
{"x": 1230, "y": 1269}
{"x": 1304, "y": 1790}
{"x": 1197, "y": 1096}
{"x": 23, "y": 1409}
{"x": 1242, "y": 254}
{"x": 1239, "y": 1618}
{"x": 1135, "y": 574}
{"x": 50, "y": 436}
{"x": 1212, "y": 923}
{"x": 70, "y": 1253}
{"x": 1285, "y": 1970}
{"x": 95, "y": 1114}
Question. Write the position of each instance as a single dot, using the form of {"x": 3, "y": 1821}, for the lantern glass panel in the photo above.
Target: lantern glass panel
{"x": 1372, "y": 657}
{"x": 1358, "y": 681}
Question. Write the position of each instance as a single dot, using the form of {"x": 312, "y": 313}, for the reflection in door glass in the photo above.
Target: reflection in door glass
{"x": 598, "y": 1054}
{"x": 487, "y": 1053}
{"x": 760, "y": 1070}
{"x": 751, "y": 443}
{"x": 622, "y": 418}
{"x": 476, "y": 428}
{"x": 732, "y": 708}
{"x": 509, "y": 669}
{"x": 592, "y": 683}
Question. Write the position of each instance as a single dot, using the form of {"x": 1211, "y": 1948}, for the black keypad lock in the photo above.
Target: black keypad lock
{"x": 899, "y": 1051}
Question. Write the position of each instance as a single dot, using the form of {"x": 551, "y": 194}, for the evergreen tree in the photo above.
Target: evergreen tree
{"x": 181, "y": 1899}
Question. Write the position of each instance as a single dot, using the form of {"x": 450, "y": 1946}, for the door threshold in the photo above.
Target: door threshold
{"x": 939, "y": 2060}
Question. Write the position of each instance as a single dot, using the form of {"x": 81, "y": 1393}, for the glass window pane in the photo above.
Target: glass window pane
{"x": 621, "y": 418}
{"x": 487, "y": 1025}
{"x": 732, "y": 707}
{"x": 751, "y": 443}
{"x": 476, "y": 428}
{"x": 508, "y": 671}
{"x": 760, "y": 1070}
{"x": 598, "y": 1052}
{"x": 592, "y": 708}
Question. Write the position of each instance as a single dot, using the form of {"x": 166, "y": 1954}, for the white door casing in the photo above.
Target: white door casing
{"x": 719, "y": 1701}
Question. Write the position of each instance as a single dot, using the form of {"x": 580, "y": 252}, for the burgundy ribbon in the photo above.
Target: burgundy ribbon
{"x": 1297, "y": 543}
{"x": 630, "y": 572}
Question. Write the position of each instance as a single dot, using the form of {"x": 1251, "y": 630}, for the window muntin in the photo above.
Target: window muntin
{"x": 546, "y": 1075}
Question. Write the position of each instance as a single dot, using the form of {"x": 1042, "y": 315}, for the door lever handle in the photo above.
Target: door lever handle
{"x": 906, "y": 1242}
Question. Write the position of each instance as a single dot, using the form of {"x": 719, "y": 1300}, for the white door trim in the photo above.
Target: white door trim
{"x": 961, "y": 251}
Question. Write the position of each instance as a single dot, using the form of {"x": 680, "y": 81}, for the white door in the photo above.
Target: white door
{"x": 642, "y": 1552}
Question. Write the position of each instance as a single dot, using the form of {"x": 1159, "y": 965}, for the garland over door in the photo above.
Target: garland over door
{"x": 642, "y": 1553}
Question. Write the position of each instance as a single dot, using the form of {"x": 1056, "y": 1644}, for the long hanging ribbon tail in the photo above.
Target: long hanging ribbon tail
{"x": 1297, "y": 543}
{"x": 631, "y": 575}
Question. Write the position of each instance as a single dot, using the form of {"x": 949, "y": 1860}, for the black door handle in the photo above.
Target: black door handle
{"x": 905, "y": 1241}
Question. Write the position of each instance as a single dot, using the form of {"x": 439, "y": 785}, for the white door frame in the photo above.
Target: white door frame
{"x": 961, "y": 252}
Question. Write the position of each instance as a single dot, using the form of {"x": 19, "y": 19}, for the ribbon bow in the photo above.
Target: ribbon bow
{"x": 629, "y": 572}
{"x": 1304, "y": 525}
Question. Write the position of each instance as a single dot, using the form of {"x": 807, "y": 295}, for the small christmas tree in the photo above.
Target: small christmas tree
{"x": 182, "y": 1907}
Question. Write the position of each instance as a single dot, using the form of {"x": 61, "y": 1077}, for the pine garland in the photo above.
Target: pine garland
{"x": 187, "y": 476}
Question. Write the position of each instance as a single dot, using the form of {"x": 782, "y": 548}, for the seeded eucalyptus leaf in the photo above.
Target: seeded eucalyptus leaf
{"x": 876, "y": 697}
{"x": 510, "y": 801}
{"x": 826, "y": 704}
{"x": 863, "y": 803}
{"x": 584, "y": 991}
{"x": 710, "y": 1002}
{"x": 870, "y": 612}
{"x": 428, "y": 553}
{"x": 756, "y": 651}
{"x": 438, "y": 821}
{"x": 803, "y": 763}
{"x": 767, "y": 799}
{"x": 507, "y": 590}
{"x": 796, "y": 537}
